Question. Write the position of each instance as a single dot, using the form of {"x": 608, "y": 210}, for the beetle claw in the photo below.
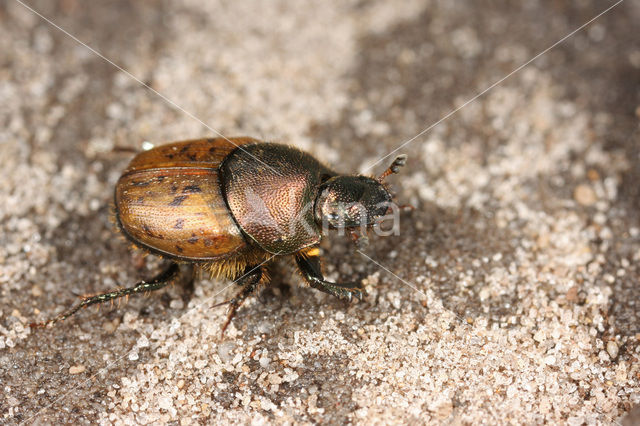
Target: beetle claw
{"x": 358, "y": 295}
{"x": 355, "y": 291}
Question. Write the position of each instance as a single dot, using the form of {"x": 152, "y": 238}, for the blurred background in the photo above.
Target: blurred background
{"x": 509, "y": 297}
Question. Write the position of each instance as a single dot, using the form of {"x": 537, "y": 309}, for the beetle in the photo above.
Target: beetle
{"x": 232, "y": 205}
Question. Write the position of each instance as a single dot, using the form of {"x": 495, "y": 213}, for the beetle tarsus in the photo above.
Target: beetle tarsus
{"x": 161, "y": 280}
{"x": 312, "y": 273}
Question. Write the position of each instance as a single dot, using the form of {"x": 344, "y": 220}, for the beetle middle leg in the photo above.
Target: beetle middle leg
{"x": 309, "y": 264}
{"x": 249, "y": 280}
{"x": 167, "y": 276}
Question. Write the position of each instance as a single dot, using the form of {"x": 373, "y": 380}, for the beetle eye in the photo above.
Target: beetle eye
{"x": 333, "y": 217}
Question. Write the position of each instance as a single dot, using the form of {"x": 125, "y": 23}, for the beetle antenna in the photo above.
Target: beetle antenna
{"x": 400, "y": 161}
{"x": 120, "y": 149}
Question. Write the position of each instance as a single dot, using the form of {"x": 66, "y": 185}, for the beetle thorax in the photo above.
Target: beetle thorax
{"x": 270, "y": 190}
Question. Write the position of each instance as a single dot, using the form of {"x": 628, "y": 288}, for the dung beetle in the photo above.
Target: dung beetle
{"x": 232, "y": 205}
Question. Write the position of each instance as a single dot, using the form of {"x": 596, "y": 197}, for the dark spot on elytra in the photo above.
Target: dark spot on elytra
{"x": 140, "y": 183}
{"x": 178, "y": 200}
{"x": 191, "y": 189}
{"x": 150, "y": 233}
{"x": 179, "y": 224}
{"x": 184, "y": 149}
{"x": 160, "y": 178}
{"x": 140, "y": 199}
{"x": 180, "y": 249}
{"x": 170, "y": 156}
{"x": 174, "y": 189}
{"x": 192, "y": 240}
{"x": 192, "y": 157}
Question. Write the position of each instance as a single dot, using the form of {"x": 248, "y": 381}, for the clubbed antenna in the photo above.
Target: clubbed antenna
{"x": 394, "y": 167}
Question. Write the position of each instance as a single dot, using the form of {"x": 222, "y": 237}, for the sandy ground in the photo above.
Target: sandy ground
{"x": 510, "y": 295}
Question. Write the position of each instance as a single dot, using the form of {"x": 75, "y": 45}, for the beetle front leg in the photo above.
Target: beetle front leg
{"x": 161, "y": 280}
{"x": 309, "y": 264}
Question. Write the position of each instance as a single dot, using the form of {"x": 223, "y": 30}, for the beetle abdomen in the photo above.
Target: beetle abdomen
{"x": 169, "y": 200}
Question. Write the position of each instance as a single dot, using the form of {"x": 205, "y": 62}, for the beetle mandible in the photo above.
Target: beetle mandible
{"x": 232, "y": 205}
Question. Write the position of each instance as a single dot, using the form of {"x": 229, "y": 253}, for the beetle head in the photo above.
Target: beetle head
{"x": 351, "y": 201}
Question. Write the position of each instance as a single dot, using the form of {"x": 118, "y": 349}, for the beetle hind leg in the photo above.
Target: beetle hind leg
{"x": 309, "y": 265}
{"x": 167, "y": 276}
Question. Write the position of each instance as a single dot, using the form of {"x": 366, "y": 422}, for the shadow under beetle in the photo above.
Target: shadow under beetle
{"x": 231, "y": 206}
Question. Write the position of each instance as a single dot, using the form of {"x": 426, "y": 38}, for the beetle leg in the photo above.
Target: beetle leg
{"x": 309, "y": 264}
{"x": 159, "y": 281}
{"x": 249, "y": 281}
{"x": 189, "y": 276}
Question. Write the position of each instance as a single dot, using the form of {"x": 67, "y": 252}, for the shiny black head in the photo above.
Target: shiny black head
{"x": 351, "y": 201}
